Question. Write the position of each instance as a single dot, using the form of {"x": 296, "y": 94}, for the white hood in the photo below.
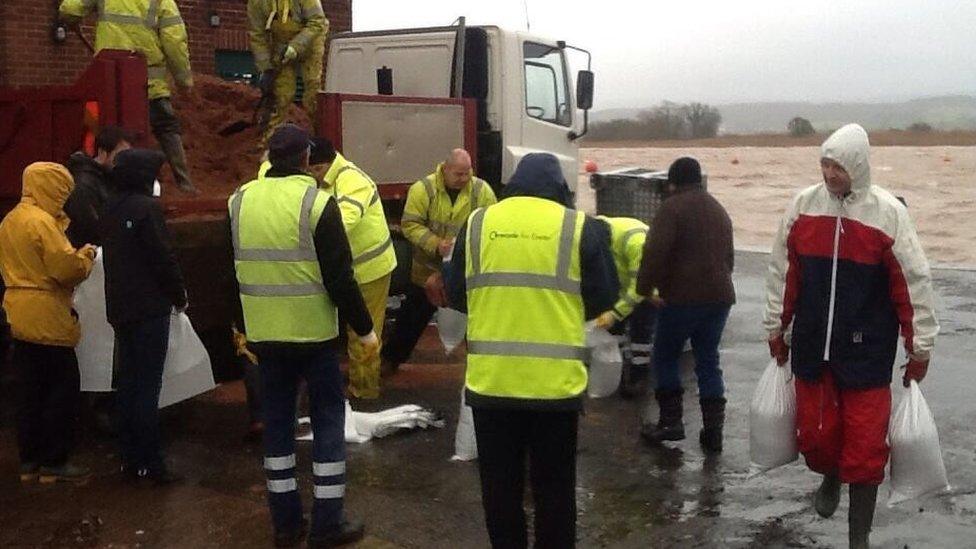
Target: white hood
{"x": 850, "y": 148}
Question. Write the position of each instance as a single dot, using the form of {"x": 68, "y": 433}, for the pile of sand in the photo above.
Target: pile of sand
{"x": 218, "y": 164}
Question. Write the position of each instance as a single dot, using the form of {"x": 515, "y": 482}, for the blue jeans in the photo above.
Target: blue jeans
{"x": 703, "y": 324}
{"x": 282, "y": 368}
{"x": 141, "y": 354}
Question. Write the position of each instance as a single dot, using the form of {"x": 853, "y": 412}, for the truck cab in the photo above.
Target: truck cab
{"x": 520, "y": 86}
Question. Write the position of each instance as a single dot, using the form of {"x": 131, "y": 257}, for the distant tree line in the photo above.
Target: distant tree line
{"x": 666, "y": 121}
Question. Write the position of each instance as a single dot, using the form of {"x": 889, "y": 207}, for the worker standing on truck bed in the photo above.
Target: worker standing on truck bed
{"x": 373, "y": 257}
{"x": 627, "y": 237}
{"x": 437, "y": 206}
{"x": 530, "y": 271}
{"x": 288, "y": 36}
{"x": 294, "y": 269}
{"x": 155, "y": 29}
{"x": 41, "y": 269}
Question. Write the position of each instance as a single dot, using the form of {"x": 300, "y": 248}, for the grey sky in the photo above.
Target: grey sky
{"x": 736, "y": 51}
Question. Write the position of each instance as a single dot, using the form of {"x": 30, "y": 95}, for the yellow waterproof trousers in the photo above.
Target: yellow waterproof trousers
{"x": 364, "y": 377}
{"x": 286, "y": 84}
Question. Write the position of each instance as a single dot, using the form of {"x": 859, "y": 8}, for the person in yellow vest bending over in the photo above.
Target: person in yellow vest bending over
{"x": 294, "y": 269}
{"x": 437, "y": 206}
{"x": 373, "y": 257}
{"x": 632, "y": 313}
{"x": 155, "y": 29}
{"x": 530, "y": 271}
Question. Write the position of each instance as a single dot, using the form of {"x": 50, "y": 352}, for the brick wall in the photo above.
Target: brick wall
{"x": 29, "y": 57}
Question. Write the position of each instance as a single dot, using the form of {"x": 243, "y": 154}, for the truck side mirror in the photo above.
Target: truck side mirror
{"x": 584, "y": 90}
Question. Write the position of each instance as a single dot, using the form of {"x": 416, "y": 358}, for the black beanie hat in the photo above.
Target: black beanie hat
{"x": 685, "y": 171}
{"x": 323, "y": 151}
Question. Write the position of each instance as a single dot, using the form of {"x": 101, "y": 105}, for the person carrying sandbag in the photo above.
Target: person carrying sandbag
{"x": 847, "y": 272}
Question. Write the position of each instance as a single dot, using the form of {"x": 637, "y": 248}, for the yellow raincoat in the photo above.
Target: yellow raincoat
{"x": 153, "y": 28}
{"x": 39, "y": 266}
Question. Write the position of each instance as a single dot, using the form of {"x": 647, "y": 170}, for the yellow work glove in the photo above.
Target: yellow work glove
{"x": 240, "y": 345}
{"x": 289, "y": 55}
{"x": 606, "y": 320}
{"x": 371, "y": 344}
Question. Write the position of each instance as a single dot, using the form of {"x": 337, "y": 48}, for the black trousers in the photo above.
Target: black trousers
{"x": 505, "y": 438}
{"x": 411, "y": 320}
{"x": 49, "y": 400}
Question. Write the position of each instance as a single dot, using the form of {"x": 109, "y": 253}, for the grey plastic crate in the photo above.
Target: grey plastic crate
{"x": 631, "y": 192}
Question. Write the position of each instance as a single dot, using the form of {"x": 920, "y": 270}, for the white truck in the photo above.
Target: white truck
{"x": 399, "y": 100}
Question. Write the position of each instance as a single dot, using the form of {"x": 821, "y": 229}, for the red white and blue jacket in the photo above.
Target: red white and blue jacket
{"x": 847, "y": 274}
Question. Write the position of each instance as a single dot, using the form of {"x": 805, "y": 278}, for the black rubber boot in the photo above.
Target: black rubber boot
{"x": 347, "y": 532}
{"x": 863, "y": 500}
{"x": 713, "y": 420}
{"x": 293, "y": 538}
{"x": 669, "y": 425}
{"x": 636, "y": 381}
{"x": 828, "y": 496}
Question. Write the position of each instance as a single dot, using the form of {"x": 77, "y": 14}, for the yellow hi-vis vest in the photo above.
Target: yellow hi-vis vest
{"x": 627, "y": 237}
{"x": 525, "y": 313}
{"x": 272, "y": 225}
{"x": 359, "y": 201}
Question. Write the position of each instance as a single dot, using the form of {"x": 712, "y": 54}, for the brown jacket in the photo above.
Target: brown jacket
{"x": 689, "y": 255}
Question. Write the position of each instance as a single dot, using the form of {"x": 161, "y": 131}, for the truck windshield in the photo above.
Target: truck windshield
{"x": 546, "y": 85}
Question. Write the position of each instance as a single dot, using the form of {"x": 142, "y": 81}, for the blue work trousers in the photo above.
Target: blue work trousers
{"x": 703, "y": 325}
{"x": 282, "y": 368}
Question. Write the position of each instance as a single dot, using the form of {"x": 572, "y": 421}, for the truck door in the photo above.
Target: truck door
{"x": 548, "y": 105}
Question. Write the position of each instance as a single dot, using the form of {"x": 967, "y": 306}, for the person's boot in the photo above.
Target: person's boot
{"x": 669, "y": 425}
{"x": 172, "y": 144}
{"x": 828, "y": 496}
{"x": 636, "y": 381}
{"x": 863, "y": 500}
{"x": 713, "y": 420}
{"x": 64, "y": 473}
{"x": 347, "y": 532}
{"x": 291, "y": 539}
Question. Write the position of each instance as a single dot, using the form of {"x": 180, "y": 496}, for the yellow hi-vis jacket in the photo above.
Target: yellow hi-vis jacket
{"x": 525, "y": 312}
{"x": 627, "y": 238}
{"x": 429, "y": 217}
{"x": 153, "y": 28}
{"x": 275, "y": 24}
{"x": 273, "y": 223}
{"x": 359, "y": 201}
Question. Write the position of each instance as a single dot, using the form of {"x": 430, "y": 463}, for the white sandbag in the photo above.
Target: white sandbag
{"x": 187, "y": 371}
{"x": 451, "y": 326}
{"x": 97, "y": 343}
{"x": 465, "y": 443}
{"x": 917, "y": 468}
{"x": 361, "y": 427}
{"x": 772, "y": 420}
{"x": 606, "y": 364}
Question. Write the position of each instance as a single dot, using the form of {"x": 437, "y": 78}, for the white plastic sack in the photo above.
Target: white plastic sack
{"x": 606, "y": 364}
{"x": 916, "y": 457}
{"x": 452, "y": 326}
{"x": 772, "y": 420}
{"x": 97, "y": 343}
{"x": 361, "y": 427}
{"x": 465, "y": 443}
{"x": 187, "y": 371}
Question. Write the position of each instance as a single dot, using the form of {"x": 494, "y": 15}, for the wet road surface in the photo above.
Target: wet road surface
{"x": 411, "y": 495}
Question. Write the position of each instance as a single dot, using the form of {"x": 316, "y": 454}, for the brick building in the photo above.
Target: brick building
{"x": 29, "y": 55}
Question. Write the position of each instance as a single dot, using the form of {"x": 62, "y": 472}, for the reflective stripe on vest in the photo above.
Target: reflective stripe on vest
{"x": 305, "y": 250}
{"x": 151, "y": 21}
{"x": 372, "y": 230}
